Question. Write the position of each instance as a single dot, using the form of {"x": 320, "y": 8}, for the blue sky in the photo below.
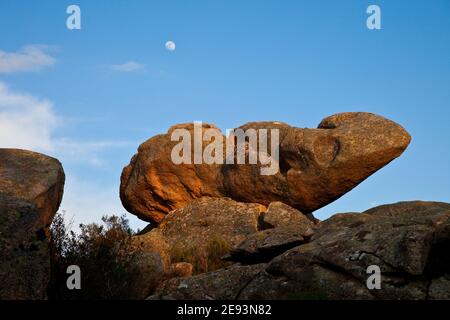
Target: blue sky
{"x": 69, "y": 93}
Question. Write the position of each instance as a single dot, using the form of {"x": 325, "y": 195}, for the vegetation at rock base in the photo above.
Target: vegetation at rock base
{"x": 108, "y": 260}
{"x": 102, "y": 251}
{"x": 203, "y": 259}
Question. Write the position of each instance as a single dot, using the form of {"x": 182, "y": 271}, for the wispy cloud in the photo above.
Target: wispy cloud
{"x": 27, "y": 122}
{"x": 129, "y": 66}
{"x": 30, "y": 58}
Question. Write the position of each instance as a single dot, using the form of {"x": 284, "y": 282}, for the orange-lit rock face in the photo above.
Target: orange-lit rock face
{"x": 316, "y": 166}
{"x": 152, "y": 185}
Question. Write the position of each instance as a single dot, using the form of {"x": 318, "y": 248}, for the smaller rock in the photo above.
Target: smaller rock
{"x": 288, "y": 228}
{"x": 265, "y": 245}
{"x": 153, "y": 263}
{"x": 149, "y": 272}
{"x": 279, "y": 214}
{"x": 154, "y": 242}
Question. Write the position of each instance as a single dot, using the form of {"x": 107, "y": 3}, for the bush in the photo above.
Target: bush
{"x": 102, "y": 251}
{"x": 110, "y": 264}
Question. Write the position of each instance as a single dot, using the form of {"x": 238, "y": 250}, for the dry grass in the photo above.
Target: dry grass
{"x": 203, "y": 258}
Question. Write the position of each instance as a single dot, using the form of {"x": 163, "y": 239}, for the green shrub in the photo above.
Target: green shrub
{"x": 102, "y": 251}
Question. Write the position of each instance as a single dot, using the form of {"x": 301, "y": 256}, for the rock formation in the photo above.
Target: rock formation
{"x": 211, "y": 233}
{"x": 408, "y": 241}
{"x": 316, "y": 166}
{"x": 224, "y": 231}
{"x": 31, "y": 189}
{"x": 261, "y": 228}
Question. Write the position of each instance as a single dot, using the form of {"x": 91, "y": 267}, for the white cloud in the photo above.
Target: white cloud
{"x": 129, "y": 66}
{"x": 25, "y": 121}
{"x": 30, "y": 58}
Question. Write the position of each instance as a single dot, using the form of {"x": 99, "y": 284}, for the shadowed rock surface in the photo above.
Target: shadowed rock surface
{"x": 31, "y": 189}
{"x": 202, "y": 219}
{"x": 205, "y": 226}
{"x": 279, "y": 214}
{"x": 316, "y": 167}
{"x": 408, "y": 241}
{"x": 265, "y": 245}
{"x": 196, "y": 238}
{"x": 288, "y": 228}
{"x": 224, "y": 284}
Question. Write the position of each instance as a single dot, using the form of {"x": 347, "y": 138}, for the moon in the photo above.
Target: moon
{"x": 170, "y": 45}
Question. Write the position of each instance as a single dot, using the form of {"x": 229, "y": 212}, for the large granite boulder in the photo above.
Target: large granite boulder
{"x": 152, "y": 185}
{"x": 408, "y": 241}
{"x": 315, "y": 167}
{"x": 31, "y": 189}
